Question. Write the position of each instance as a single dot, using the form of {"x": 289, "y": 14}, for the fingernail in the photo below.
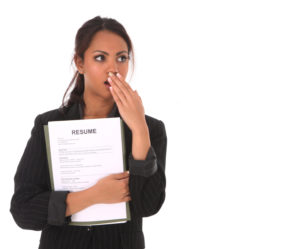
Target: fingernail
{"x": 109, "y": 79}
{"x": 127, "y": 172}
{"x": 119, "y": 75}
{"x": 110, "y": 74}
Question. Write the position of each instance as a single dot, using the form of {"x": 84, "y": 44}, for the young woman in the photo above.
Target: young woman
{"x": 103, "y": 50}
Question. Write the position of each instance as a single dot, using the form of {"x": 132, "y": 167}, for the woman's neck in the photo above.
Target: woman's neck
{"x": 96, "y": 107}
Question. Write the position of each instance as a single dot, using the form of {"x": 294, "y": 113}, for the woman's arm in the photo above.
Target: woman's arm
{"x": 33, "y": 204}
{"x": 140, "y": 142}
{"x": 110, "y": 189}
{"x": 78, "y": 201}
{"x": 147, "y": 177}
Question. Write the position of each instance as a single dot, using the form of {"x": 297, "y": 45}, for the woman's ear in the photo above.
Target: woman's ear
{"x": 79, "y": 64}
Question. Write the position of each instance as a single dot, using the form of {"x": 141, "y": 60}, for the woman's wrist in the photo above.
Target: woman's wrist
{"x": 140, "y": 142}
{"x": 140, "y": 130}
{"x": 77, "y": 201}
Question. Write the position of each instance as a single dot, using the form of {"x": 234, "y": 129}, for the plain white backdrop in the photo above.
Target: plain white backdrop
{"x": 224, "y": 78}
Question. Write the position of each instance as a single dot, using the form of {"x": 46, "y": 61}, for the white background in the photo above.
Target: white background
{"x": 224, "y": 78}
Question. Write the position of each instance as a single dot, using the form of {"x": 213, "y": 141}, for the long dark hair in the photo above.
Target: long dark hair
{"x": 83, "y": 39}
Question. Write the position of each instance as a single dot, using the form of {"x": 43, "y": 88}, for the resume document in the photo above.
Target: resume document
{"x": 80, "y": 153}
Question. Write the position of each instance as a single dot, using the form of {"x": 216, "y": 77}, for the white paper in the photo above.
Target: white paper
{"x": 82, "y": 152}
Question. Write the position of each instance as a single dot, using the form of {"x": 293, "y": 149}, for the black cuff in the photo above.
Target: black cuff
{"x": 145, "y": 167}
{"x": 57, "y": 208}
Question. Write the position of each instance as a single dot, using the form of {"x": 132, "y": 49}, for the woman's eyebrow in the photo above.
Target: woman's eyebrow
{"x": 123, "y": 51}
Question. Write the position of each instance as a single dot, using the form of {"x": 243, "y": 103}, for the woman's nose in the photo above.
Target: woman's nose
{"x": 112, "y": 67}
{"x": 112, "y": 70}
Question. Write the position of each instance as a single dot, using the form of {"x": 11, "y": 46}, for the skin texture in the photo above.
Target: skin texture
{"x": 97, "y": 67}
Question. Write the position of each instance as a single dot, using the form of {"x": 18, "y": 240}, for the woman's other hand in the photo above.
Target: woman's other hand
{"x": 113, "y": 188}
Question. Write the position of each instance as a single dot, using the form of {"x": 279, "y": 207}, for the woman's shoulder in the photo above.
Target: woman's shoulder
{"x": 52, "y": 115}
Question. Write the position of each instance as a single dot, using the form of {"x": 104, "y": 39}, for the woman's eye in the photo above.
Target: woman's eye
{"x": 122, "y": 58}
{"x": 101, "y": 58}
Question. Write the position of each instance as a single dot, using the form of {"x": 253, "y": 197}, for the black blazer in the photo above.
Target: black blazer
{"x": 32, "y": 201}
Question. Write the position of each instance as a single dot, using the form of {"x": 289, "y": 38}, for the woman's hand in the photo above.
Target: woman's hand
{"x": 113, "y": 188}
{"x": 132, "y": 111}
{"x": 129, "y": 103}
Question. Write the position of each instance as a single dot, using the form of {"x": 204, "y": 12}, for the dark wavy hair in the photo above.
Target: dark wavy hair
{"x": 83, "y": 39}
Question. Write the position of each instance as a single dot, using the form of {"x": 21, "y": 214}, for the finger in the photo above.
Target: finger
{"x": 115, "y": 96}
{"x": 126, "y": 191}
{"x": 118, "y": 92}
{"x": 137, "y": 94}
{"x": 124, "y": 181}
{"x": 127, "y": 181}
{"x": 122, "y": 85}
{"x": 121, "y": 78}
{"x": 121, "y": 82}
{"x": 125, "y": 184}
{"x": 126, "y": 199}
{"x": 121, "y": 93}
{"x": 120, "y": 176}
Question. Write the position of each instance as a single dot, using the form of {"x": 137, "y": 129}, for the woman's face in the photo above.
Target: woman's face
{"x": 108, "y": 52}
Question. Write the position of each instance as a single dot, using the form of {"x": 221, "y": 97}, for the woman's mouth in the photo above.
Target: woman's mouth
{"x": 106, "y": 83}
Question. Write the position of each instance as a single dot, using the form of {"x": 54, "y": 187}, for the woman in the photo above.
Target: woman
{"x": 102, "y": 53}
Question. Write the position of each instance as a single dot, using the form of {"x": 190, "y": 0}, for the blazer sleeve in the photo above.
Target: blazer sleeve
{"x": 147, "y": 177}
{"x": 33, "y": 204}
